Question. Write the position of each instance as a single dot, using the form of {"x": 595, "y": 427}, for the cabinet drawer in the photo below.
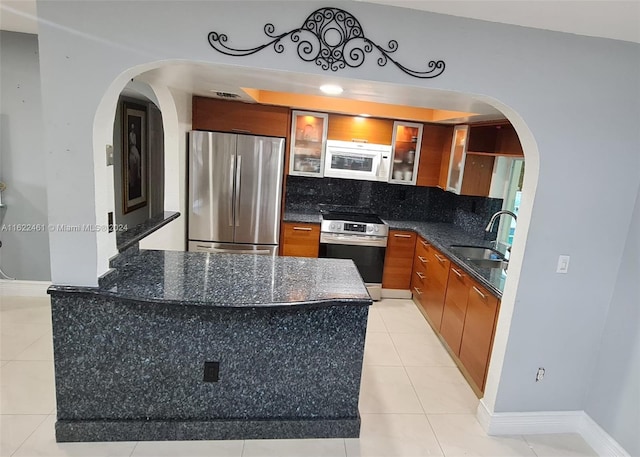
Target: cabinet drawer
{"x": 300, "y": 240}
{"x": 398, "y": 261}
{"x": 422, "y": 247}
{"x": 439, "y": 264}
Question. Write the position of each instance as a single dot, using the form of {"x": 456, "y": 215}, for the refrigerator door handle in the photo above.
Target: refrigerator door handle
{"x": 232, "y": 166}
{"x": 238, "y": 189}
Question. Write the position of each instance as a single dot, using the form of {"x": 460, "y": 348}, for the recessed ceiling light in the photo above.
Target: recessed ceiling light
{"x": 331, "y": 89}
{"x": 364, "y": 115}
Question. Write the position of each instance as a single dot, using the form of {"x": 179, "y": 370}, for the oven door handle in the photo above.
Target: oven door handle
{"x": 353, "y": 240}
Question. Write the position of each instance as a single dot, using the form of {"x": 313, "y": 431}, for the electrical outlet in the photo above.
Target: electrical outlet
{"x": 211, "y": 371}
{"x": 540, "y": 375}
{"x": 109, "y": 151}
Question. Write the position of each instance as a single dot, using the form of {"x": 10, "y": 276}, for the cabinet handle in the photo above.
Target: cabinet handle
{"x": 241, "y": 131}
{"x": 440, "y": 259}
{"x": 424, "y": 243}
{"x": 458, "y": 274}
{"x": 420, "y": 275}
{"x": 418, "y": 291}
{"x": 422, "y": 259}
{"x": 484, "y": 297}
{"x": 306, "y": 229}
{"x": 400, "y": 235}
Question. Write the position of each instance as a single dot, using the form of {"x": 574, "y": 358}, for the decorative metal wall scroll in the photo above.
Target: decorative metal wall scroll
{"x": 333, "y": 39}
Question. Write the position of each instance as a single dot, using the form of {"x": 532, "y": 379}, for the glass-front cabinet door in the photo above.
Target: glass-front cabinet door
{"x": 407, "y": 138}
{"x": 457, "y": 158}
{"x": 308, "y": 143}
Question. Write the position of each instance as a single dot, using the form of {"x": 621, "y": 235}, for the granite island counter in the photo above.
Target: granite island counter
{"x": 184, "y": 346}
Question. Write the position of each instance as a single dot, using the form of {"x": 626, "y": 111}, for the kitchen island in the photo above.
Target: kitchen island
{"x": 185, "y": 345}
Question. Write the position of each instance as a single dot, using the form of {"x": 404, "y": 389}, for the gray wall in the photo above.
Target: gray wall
{"x": 613, "y": 399}
{"x": 553, "y": 86}
{"x": 24, "y": 255}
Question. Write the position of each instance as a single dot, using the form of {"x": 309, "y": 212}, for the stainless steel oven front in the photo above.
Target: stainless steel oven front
{"x": 366, "y": 251}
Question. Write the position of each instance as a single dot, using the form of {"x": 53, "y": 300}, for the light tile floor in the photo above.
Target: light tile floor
{"x": 414, "y": 402}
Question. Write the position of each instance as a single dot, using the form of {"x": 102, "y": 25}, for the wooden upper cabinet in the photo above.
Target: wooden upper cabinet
{"x": 436, "y": 144}
{"x": 508, "y": 142}
{"x": 398, "y": 261}
{"x": 356, "y": 128}
{"x": 478, "y": 171}
{"x": 499, "y": 139}
{"x": 300, "y": 239}
{"x": 239, "y": 117}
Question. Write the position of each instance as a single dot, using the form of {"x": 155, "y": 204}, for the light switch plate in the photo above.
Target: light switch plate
{"x": 109, "y": 155}
{"x": 563, "y": 264}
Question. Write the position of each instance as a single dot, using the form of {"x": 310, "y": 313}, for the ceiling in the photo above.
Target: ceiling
{"x": 618, "y": 20}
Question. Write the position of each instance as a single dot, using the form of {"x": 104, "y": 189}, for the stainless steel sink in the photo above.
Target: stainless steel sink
{"x": 476, "y": 253}
{"x": 490, "y": 263}
{"x": 481, "y": 256}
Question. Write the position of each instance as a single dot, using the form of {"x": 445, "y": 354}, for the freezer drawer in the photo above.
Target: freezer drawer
{"x": 231, "y": 248}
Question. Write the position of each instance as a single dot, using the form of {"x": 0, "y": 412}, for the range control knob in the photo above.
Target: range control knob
{"x": 369, "y": 228}
{"x": 333, "y": 226}
{"x": 376, "y": 228}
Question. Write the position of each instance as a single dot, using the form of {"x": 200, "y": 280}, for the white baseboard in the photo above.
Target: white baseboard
{"x": 549, "y": 422}
{"x": 396, "y": 293}
{"x": 599, "y": 440}
{"x": 18, "y": 288}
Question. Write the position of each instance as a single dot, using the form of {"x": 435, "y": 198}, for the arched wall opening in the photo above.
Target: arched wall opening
{"x": 176, "y": 110}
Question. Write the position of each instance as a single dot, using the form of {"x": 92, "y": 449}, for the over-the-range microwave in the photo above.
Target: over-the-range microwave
{"x": 351, "y": 160}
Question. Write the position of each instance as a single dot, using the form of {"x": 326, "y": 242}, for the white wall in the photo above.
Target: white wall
{"x": 613, "y": 398}
{"x": 24, "y": 255}
{"x": 573, "y": 100}
{"x": 176, "y": 108}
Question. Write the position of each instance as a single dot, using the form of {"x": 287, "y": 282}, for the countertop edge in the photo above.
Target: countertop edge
{"x": 145, "y": 229}
{"x": 319, "y": 303}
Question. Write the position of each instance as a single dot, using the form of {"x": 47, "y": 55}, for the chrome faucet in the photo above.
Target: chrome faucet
{"x": 496, "y": 215}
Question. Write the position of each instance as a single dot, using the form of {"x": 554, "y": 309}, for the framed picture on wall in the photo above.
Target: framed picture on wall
{"x": 134, "y": 156}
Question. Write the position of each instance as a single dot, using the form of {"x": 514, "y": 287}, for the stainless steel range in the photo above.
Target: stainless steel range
{"x": 359, "y": 236}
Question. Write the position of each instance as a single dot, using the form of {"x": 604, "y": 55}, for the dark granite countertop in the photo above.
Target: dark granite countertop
{"x": 302, "y": 216}
{"x": 128, "y": 238}
{"x": 442, "y": 236}
{"x": 231, "y": 280}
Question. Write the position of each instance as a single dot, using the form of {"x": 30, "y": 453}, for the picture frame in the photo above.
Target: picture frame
{"x": 134, "y": 156}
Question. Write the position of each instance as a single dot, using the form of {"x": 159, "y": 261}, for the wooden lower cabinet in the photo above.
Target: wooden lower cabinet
{"x": 477, "y": 334}
{"x": 398, "y": 260}
{"x": 300, "y": 239}
{"x": 459, "y": 309}
{"x": 437, "y": 277}
{"x": 455, "y": 308}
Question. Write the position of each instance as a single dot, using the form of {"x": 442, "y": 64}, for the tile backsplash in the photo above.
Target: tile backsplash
{"x": 393, "y": 201}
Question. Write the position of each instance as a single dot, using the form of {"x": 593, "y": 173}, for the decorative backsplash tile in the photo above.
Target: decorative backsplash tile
{"x": 393, "y": 201}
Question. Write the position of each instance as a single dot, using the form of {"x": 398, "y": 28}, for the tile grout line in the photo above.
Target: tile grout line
{"x": 435, "y": 435}
{"x": 27, "y": 348}
{"x": 524, "y": 438}
{"x": 46, "y": 416}
{"x": 135, "y": 445}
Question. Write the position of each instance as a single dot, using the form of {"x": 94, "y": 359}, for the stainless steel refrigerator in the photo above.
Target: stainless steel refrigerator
{"x": 235, "y": 188}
